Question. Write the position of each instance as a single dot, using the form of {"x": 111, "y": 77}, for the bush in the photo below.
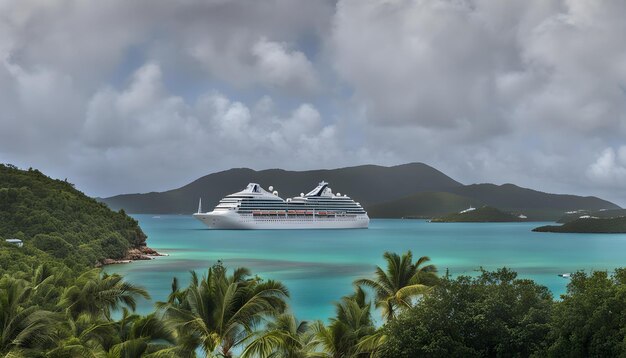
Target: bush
{"x": 114, "y": 246}
{"x": 590, "y": 321}
{"x": 494, "y": 314}
{"x": 52, "y": 244}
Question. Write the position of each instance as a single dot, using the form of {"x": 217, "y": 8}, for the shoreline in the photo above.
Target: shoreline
{"x": 142, "y": 253}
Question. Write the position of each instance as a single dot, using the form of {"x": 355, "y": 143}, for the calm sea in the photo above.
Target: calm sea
{"x": 318, "y": 266}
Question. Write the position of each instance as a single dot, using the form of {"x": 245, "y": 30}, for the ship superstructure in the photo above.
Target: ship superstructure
{"x": 257, "y": 208}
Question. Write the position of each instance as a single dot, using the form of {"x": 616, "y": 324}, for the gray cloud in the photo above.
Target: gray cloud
{"x": 526, "y": 92}
{"x": 125, "y": 96}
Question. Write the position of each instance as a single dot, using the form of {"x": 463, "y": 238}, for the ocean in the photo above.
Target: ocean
{"x": 319, "y": 266}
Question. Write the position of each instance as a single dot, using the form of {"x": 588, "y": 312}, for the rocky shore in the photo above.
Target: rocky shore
{"x": 134, "y": 254}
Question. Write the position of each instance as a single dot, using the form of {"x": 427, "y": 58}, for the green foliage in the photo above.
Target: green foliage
{"x": 113, "y": 245}
{"x": 24, "y": 327}
{"x": 219, "y": 312}
{"x": 52, "y": 244}
{"x": 284, "y": 336}
{"x": 590, "y": 321}
{"x": 404, "y": 280}
{"x": 97, "y": 294}
{"x": 491, "y": 315}
{"x": 47, "y": 310}
{"x": 351, "y": 324}
{"x": 58, "y": 223}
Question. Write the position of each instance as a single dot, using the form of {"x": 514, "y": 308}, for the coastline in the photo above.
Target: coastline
{"x": 135, "y": 254}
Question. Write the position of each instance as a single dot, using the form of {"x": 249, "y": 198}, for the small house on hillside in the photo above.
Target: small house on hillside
{"x": 17, "y": 242}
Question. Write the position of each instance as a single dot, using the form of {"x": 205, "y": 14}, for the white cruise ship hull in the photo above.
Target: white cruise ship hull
{"x": 229, "y": 220}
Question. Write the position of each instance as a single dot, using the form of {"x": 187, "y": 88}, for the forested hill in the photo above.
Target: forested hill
{"x": 56, "y": 221}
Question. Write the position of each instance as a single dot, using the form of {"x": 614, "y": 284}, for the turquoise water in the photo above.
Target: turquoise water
{"x": 318, "y": 266}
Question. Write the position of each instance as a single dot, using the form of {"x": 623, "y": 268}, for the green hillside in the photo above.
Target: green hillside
{"x": 484, "y": 214}
{"x": 57, "y": 222}
{"x": 589, "y": 225}
{"x": 422, "y": 205}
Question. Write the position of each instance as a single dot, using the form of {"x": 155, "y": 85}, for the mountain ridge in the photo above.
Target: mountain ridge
{"x": 375, "y": 187}
{"x": 362, "y": 182}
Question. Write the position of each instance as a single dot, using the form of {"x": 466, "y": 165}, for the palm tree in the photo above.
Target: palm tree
{"x": 353, "y": 322}
{"x": 283, "y": 337}
{"x": 140, "y": 336}
{"x": 44, "y": 281}
{"x": 97, "y": 294}
{"x": 23, "y": 325}
{"x": 84, "y": 337}
{"x": 403, "y": 281}
{"x": 131, "y": 336}
{"x": 220, "y": 312}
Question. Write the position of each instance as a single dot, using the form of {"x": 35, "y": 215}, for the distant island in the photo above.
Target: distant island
{"x": 484, "y": 214}
{"x": 589, "y": 224}
{"x": 577, "y": 214}
{"x": 413, "y": 190}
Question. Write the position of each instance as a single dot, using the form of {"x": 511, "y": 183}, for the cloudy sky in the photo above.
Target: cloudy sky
{"x": 126, "y": 96}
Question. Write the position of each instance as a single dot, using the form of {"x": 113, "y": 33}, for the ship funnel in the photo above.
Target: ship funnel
{"x": 200, "y": 206}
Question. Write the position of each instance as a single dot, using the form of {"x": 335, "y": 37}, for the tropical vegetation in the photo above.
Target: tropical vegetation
{"x": 58, "y": 224}
{"x": 46, "y": 312}
{"x": 55, "y": 303}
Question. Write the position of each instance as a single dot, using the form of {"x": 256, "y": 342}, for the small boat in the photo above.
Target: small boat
{"x": 565, "y": 275}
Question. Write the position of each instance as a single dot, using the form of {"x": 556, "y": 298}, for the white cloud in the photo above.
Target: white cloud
{"x": 279, "y": 67}
{"x": 143, "y": 125}
{"x": 142, "y": 113}
{"x": 610, "y": 168}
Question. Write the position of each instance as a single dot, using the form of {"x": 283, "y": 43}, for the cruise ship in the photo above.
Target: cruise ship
{"x": 257, "y": 208}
